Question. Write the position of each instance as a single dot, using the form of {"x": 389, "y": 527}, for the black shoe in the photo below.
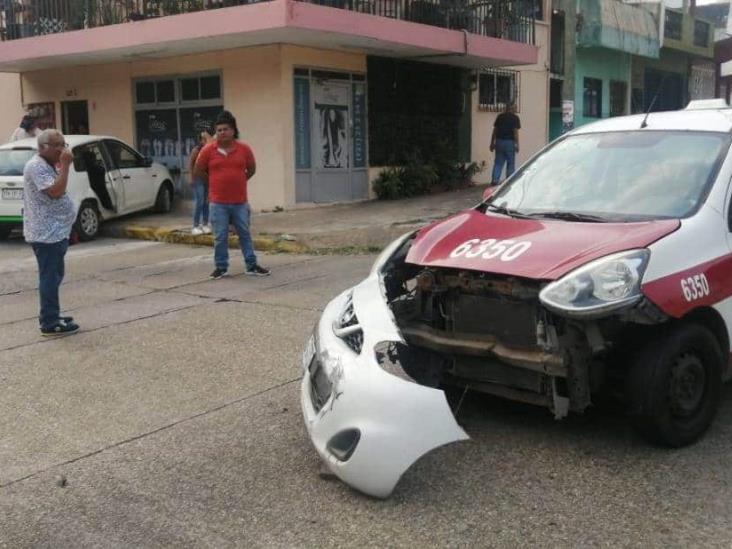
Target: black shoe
{"x": 66, "y": 319}
{"x": 62, "y": 328}
{"x": 258, "y": 270}
{"x": 218, "y": 273}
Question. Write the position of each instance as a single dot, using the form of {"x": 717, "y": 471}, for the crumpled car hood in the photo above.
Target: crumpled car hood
{"x": 555, "y": 246}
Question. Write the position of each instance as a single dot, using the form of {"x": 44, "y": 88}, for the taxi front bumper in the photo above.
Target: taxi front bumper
{"x": 367, "y": 425}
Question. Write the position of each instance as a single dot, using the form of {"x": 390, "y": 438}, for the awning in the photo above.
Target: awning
{"x": 617, "y": 26}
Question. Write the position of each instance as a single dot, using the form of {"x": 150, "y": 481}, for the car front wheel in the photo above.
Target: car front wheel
{"x": 674, "y": 385}
{"x": 164, "y": 200}
{"x": 87, "y": 221}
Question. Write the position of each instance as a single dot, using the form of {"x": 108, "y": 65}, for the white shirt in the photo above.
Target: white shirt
{"x": 45, "y": 219}
{"x": 20, "y": 133}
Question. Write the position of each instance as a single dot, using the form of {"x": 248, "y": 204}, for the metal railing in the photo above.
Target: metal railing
{"x": 24, "y": 18}
{"x": 507, "y": 19}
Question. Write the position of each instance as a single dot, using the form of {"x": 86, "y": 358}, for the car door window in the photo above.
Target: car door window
{"x": 84, "y": 155}
{"x": 123, "y": 156}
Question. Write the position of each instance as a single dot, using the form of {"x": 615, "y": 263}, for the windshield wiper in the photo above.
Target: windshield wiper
{"x": 571, "y": 216}
{"x": 506, "y": 211}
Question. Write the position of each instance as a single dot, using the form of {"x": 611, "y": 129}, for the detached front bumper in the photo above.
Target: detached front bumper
{"x": 367, "y": 425}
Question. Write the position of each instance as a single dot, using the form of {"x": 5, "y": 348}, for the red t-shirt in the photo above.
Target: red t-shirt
{"x": 227, "y": 173}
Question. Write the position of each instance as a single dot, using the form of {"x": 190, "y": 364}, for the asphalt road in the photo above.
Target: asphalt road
{"x": 173, "y": 419}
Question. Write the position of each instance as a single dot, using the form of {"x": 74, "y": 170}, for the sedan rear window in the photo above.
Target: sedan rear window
{"x": 618, "y": 176}
{"x": 12, "y": 161}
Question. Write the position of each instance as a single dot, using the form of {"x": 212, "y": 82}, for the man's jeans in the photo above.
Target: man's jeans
{"x": 505, "y": 154}
{"x": 238, "y": 215}
{"x": 50, "y": 259}
{"x": 200, "y": 208}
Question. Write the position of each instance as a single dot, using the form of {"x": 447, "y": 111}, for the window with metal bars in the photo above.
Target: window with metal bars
{"x": 497, "y": 88}
{"x": 592, "y": 98}
{"x": 701, "y": 34}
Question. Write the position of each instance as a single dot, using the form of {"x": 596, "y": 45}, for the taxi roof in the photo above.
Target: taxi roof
{"x": 690, "y": 119}
{"x": 72, "y": 140}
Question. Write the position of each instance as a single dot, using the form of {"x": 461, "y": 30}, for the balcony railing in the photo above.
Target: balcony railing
{"x": 508, "y": 19}
{"x": 24, "y": 18}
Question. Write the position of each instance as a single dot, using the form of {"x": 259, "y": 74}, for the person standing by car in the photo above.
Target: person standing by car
{"x": 26, "y": 128}
{"x": 505, "y": 142}
{"x": 200, "y": 189}
{"x": 48, "y": 216}
{"x": 228, "y": 165}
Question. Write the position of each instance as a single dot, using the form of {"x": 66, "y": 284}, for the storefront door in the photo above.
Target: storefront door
{"x": 330, "y": 143}
{"x": 330, "y": 137}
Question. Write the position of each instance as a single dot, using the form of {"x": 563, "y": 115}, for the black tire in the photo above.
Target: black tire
{"x": 674, "y": 385}
{"x": 5, "y": 231}
{"x": 87, "y": 221}
{"x": 164, "y": 200}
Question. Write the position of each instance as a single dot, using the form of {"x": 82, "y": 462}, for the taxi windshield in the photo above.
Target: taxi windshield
{"x": 617, "y": 176}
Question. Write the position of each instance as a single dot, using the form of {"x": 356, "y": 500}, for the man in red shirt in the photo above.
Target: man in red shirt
{"x": 228, "y": 165}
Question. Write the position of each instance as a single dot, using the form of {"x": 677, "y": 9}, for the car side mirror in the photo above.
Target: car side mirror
{"x": 489, "y": 190}
{"x": 148, "y": 162}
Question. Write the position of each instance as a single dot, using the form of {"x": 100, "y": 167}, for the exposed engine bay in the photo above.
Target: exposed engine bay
{"x": 490, "y": 333}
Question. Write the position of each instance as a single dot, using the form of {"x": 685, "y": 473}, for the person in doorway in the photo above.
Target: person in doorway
{"x": 200, "y": 188}
{"x": 505, "y": 142}
{"x": 26, "y": 128}
{"x": 228, "y": 165}
{"x": 48, "y": 214}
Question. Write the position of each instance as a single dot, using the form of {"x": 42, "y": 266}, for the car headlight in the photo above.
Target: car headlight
{"x": 603, "y": 285}
{"x": 387, "y": 252}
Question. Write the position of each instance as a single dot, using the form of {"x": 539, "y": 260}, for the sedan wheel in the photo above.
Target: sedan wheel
{"x": 87, "y": 222}
{"x": 164, "y": 200}
{"x": 674, "y": 385}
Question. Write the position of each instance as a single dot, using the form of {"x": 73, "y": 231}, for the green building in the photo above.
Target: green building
{"x": 610, "y": 58}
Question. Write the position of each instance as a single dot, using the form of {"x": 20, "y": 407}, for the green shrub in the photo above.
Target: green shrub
{"x": 418, "y": 177}
{"x": 466, "y": 172}
{"x": 388, "y": 185}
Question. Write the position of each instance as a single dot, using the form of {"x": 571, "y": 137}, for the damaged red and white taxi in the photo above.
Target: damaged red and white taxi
{"x": 603, "y": 266}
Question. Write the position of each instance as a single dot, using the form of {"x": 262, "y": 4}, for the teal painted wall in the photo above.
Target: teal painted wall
{"x": 555, "y": 124}
{"x": 605, "y": 65}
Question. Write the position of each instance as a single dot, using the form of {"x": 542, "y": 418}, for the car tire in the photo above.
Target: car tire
{"x": 164, "y": 200}
{"x": 5, "y": 231}
{"x": 87, "y": 221}
{"x": 674, "y": 385}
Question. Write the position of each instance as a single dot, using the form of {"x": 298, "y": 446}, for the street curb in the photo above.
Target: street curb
{"x": 183, "y": 236}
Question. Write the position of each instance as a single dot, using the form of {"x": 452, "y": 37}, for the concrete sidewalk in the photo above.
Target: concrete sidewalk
{"x": 342, "y": 228}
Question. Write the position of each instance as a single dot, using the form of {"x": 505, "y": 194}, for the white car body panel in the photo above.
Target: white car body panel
{"x": 665, "y": 256}
{"x": 140, "y": 195}
{"x": 399, "y": 421}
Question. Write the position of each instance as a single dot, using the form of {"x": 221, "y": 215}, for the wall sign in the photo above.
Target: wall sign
{"x": 302, "y": 124}
{"x": 157, "y": 136}
{"x": 567, "y": 115}
{"x": 359, "y": 125}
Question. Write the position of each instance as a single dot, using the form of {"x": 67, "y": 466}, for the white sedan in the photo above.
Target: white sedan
{"x": 107, "y": 179}
{"x": 601, "y": 269}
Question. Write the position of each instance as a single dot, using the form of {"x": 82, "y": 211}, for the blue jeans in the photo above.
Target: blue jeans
{"x": 50, "y": 259}
{"x": 238, "y": 215}
{"x": 200, "y": 209}
{"x": 505, "y": 154}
